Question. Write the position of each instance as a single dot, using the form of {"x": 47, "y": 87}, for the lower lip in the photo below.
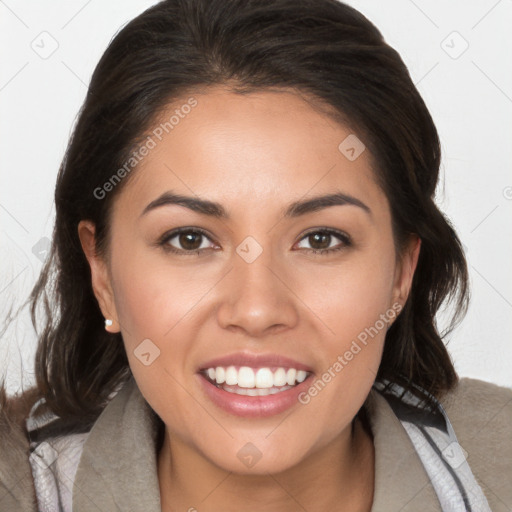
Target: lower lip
{"x": 253, "y": 406}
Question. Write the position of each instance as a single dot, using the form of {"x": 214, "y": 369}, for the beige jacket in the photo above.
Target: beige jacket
{"x": 116, "y": 469}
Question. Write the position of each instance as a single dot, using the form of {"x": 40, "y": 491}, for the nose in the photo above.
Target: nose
{"x": 258, "y": 297}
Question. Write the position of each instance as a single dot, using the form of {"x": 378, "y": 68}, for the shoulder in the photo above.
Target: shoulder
{"x": 481, "y": 416}
{"x": 16, "y": 484}
{"x": 474, "y": 406}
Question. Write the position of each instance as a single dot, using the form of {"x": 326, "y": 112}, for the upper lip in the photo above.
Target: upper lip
{"x": 255, "y": 361}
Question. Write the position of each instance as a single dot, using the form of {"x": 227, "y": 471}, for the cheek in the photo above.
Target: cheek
{"x": 155, "y": 306}
{"x": 350, "y": 296}
{"x": 152, "y": 295}
{"x": 353, "y": 302}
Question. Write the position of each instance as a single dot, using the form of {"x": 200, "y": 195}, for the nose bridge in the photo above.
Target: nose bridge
{"x": 253, "y": 266}
{"x": 256, "y": 297}
{"x": 254, "y": 276}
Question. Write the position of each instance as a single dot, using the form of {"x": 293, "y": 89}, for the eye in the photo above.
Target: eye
{"x": 321, "y": 241}
{"x": 191, "y": 241}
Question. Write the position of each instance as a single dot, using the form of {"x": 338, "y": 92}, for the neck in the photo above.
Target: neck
{"x": 338, "y": 476}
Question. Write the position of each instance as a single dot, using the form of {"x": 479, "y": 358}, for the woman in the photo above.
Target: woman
{"x": 248, "y": 262}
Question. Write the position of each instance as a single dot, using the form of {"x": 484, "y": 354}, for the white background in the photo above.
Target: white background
{"x": 469, "y": 95}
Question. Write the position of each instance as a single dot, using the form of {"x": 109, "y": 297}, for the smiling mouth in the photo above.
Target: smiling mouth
{"x": 248, "y": 381}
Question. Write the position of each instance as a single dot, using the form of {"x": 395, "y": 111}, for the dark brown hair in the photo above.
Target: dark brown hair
{"x": 320, "y": 48}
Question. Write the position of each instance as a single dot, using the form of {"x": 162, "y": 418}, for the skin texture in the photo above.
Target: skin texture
{"x": 254, "y": 154}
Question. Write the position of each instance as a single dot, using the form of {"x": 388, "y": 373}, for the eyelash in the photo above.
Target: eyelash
{"x": 163, "y": 242}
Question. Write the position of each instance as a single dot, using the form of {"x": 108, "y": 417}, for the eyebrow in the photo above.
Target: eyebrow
{"x": 294, "y": 209}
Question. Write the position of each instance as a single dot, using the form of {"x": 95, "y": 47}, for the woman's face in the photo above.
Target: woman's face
{"x": 248, "y": 284}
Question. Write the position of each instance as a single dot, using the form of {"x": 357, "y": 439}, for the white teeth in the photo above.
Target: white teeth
{"x": 231, "y": 376}
{"x": 264, "y": 378}
{"x": 290, "y": 376}
{"x": 301, "y": 375}
{"x": 280, "y": 377}
{"x": 220, "y": 375}
{"x": 261, "y": 379}
{"x": 246, "y": 377}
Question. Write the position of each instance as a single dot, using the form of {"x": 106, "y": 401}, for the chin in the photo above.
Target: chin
{"x": 252, "y": 458}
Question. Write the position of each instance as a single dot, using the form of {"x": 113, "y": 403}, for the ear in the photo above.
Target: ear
{"x": 100, "y": 275}
{"x": 405, "y": 269}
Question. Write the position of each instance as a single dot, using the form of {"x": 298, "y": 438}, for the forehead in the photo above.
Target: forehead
{"x": 261, "y": 148}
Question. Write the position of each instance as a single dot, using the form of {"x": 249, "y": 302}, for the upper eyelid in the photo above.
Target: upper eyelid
{"x": 178, "y": 231}
{"x": 331, "y": 231}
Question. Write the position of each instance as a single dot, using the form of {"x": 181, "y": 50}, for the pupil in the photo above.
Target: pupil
{"x": 185, "y": 241}
{"x": 318, "y": 236}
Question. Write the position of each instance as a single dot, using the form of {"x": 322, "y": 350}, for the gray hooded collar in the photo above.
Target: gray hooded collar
{"x": 118, "y": 466}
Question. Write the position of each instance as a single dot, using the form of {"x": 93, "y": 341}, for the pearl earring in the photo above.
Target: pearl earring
{"x": 108, "y": 322}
